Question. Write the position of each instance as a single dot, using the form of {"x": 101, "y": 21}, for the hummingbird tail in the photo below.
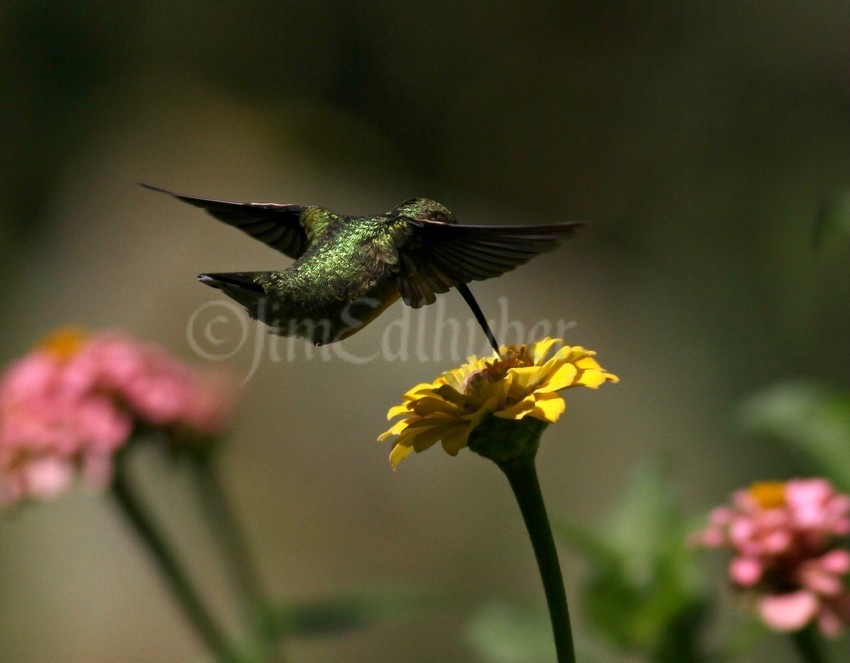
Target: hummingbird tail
{"x": 479, "y": 316}
{"x": 242, "y": 281}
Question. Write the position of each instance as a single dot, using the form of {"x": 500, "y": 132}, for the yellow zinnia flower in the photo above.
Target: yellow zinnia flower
{"x": 521, "y": 383}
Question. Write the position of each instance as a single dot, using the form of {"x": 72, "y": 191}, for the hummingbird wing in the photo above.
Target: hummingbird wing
{"x": 280, "y": 226}
{"x": 436, "y": 256}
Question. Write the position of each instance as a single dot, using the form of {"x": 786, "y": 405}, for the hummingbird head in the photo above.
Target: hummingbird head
{"x": 425, "y": 209}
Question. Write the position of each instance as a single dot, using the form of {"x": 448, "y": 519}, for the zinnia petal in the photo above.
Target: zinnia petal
{"x": 69, "y": 405}
{"x": 745, "y": 571}
{"x": 456, "y": 440}
{"x": 395, "y": 429}
{"x": 518, "y": 410}
{"x": 564, "y": 377}
{"x": 786, "y": 552}
{"x": 549, "y": 407}
{"x": 788, "y": 612}
{"x": 521, "y": 382}
{"x": 431, "y": 404}
{"x": 398, "y": 453}
{"x": 540, "y": 349}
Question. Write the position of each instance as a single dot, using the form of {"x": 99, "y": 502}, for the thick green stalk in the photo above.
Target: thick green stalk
{"x": 237, "y": 558}
{"x": 229, "y": 537}
{"x": 178, "y": 582}
{"x": 807, "y": 645}
{"x": 522, "y": 475}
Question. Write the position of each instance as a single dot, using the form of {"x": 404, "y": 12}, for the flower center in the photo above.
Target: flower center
{"x": 496, "y": 369}
{"x": 768, "y": 494}
{"x": 63, "y": 343}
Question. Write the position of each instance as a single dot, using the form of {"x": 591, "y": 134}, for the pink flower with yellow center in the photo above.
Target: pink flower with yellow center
{"x": 523, "y": 382}
{"x": 784, "y": 541}
{"x": 71, "y": 403}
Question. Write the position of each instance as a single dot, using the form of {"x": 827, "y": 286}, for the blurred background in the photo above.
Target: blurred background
{"x": 701, "y": 141}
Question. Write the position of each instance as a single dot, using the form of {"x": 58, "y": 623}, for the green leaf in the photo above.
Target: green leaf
{"x": 810, "y": 419}
{"x": 590, "y": 544}
{"x": 645, "y": 523}
{"x": 645, "y": 591}
{"x": 323, "y": 617}
{"x": 337, "y": 615}
{"x": 832, "y": 223}
{"x": 505, "y": 633}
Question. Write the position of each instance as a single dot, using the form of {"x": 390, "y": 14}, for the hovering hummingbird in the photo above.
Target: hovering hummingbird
{"x": 349, "y": 269}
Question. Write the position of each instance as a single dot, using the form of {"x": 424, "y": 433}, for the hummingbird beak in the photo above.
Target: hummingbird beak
{"x": 464, "y": 290}
{"x": 206, "y": 279}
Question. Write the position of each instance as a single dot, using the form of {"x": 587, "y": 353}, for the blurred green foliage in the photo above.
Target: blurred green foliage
{"x": 702, "y": 141}
{"x": 508, "y": 633}
{"x": 810, "y": 419}
{"x": 832, "y": 225}
{"x": 645, "y": 593}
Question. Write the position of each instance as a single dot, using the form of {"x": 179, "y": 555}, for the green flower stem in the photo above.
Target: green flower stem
{"x": 808, "y": 646}
{"x": 223, "y": 522}
{"x": 229, "y": 537}
{"x": 178, "y": 582}
{"x": 522, "y": 475}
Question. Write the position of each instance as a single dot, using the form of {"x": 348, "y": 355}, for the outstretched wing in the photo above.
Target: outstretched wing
{"x": 434, "y": 256}
{"x": 279, "y": 226}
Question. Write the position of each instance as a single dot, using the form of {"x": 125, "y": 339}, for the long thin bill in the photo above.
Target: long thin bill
{"x": 464, "y": 290}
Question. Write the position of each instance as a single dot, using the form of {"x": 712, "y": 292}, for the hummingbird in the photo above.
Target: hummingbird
{"x": 349, "y": 269}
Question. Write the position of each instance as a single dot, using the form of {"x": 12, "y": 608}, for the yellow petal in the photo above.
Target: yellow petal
{"x": 497, "y": 393}
{"x": 587, "y": 364}
{"x": 524, "y": 375}
{"x": 548, "y": 407}
{"x": 576, "y": 352}
{"x": 517, "y": 411}
{"x": 430, "y": 405}
{"x": 524, "y": 382}
{"x": 595, "y": 378}
{"x": 398, "y": 454}
{"x": 396, "y": 428}
{"x": 564, "y": 377}
{"x": 427, "y": 438}
{"x": 545, "y": 372}
{"x": 456, "y": 440}
{"x": 405, "y": 437}
{"x": 482, "y": 413}
{"x": 419, "y": 389}
{"x": 412, "y": 428}
{"x": 451, "y": 394}
{"x": 396, "y": 410}
{"x": 541, "y": 348}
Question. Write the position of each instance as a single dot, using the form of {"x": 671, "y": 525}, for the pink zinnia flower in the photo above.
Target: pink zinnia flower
{"x": 70, "y": 404}
{"x": 785, "y": 550}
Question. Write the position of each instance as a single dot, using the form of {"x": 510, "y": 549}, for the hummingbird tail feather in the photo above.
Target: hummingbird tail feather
{"x": 479, "y": 316}
{"x": 242, "y": 281}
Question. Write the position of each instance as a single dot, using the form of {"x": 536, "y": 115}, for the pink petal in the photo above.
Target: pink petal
{"x": 776, "y": 542}
{"x": 788, "y": 612}
{"x": 741, "y": 530}
{"x": 48, "y": 477}
{"x": 711, "y": 537}
{"x": 745, "y": 571}
{"x": 807, "y": 499}
{"x": 721, "y": 516}
{"x": 834, "y": 615}
{"x": 815, "y": 579}
{"x": 836, "y": 561}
